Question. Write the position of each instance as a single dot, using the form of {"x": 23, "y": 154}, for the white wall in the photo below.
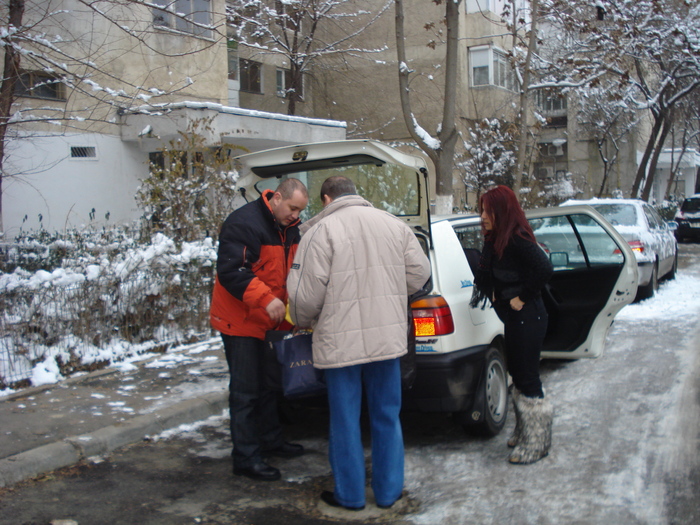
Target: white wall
{"x": 44, "y": 180}
{"x": 687, "y": 162}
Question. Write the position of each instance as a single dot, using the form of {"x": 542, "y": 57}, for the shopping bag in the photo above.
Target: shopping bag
{"x": 273, "y": 368}
{"x": 299, "y": 377}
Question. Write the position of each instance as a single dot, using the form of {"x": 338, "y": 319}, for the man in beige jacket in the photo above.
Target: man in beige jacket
{"x": 350, "y": 281}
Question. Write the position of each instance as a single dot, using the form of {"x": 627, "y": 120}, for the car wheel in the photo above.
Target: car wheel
{"x": 493, "y": 396}
{"x": 645, "y": 292}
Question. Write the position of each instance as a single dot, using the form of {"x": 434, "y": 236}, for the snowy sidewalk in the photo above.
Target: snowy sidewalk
{"x": 57, "y": 425}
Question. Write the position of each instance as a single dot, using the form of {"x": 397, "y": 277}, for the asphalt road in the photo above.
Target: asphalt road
{"x": 625, "y": 451}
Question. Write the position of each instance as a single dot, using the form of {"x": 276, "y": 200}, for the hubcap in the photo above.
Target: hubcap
{"x": 496, "y": 390}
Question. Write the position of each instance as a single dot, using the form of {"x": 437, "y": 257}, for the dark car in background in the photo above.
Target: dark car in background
{"x": 688, "y": 219}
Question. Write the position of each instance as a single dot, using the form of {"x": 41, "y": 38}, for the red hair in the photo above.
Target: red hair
{"x": 507, "y": 216}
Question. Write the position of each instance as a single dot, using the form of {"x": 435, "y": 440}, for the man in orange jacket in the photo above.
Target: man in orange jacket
{"x": 257, "y": 244}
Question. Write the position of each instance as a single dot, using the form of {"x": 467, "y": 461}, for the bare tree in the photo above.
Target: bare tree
{"x": 440, "y": 149}
{"x": 66, "y": 62}
{"x": 646, "y": 50}
{"x": 524, "y": 85}
{"x": 608, "y": 122}
{"x": 685, "y": 136}
{"x": 298, "y": 32}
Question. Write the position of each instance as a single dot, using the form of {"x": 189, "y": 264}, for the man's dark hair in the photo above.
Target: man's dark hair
{"x": 336, "y": 186}
{"x": 287, "y": 188}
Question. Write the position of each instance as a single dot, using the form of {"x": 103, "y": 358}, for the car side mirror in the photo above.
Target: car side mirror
{"x": 559, "y": 259}
{"x": 672, "y": 225}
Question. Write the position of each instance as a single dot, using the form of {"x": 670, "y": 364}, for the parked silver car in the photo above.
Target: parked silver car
{"x": 651, "y": 238}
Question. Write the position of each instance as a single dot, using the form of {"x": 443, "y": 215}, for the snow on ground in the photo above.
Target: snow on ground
{"x": 675, "y": 298}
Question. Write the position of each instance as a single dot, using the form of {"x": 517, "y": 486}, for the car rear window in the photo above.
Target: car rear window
{"x": 691, "y": 205}
{"x": 618, "y": 214}
{"x": 390, "y": 187}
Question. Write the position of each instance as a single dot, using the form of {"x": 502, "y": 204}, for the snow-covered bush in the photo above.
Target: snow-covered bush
{"x": 105, "y": 301}
{"x": 43, "y": 250}
{"x": 191, "y": 186}
{"x": 667, "y": 209}
{"x": 489, "y": 156}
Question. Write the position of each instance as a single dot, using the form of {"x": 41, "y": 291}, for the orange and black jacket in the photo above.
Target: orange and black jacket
{"x": 253, "y": 261}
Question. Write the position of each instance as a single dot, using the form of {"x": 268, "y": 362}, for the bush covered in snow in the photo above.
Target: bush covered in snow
{"x": 78, "y": 302}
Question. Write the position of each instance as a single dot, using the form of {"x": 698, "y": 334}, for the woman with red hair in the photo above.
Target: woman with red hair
{"x": 512, "y": 272}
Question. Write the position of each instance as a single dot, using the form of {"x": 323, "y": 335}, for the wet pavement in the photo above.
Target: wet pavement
{"x": 56, "y": 425}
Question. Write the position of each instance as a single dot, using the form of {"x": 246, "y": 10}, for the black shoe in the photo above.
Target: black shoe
{"x": 260, "y": 471}
{"x": 285, "y": 450}
{"x": 389, "y": 506}
{"x": 329, "y": 498}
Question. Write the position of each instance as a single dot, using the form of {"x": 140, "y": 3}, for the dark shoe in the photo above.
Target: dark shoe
{"x": 389, "y": 506}
{"x": 329, "y": 499}
{"x": 260, "y": 471}
{"x": 285, "y": 450}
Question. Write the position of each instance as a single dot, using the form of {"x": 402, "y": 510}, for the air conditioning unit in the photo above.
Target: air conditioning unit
{"x": 555, "y": 151}
{"x": 545, "y": 173}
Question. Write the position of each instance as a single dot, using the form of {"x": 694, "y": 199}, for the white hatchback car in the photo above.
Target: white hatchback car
{"x": 460, "y": 363}
{"x": 651, "y": 238}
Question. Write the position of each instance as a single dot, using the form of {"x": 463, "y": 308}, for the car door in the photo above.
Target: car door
{"x": 595, "y": 276}
{"x": 665, "y": 241}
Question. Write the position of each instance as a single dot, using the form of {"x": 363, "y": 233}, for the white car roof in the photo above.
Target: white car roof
{"x": 596, "y": 200}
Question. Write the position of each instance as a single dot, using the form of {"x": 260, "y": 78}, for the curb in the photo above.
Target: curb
{"x": 71, "y": 450}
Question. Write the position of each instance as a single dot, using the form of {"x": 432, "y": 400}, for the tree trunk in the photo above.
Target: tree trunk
{"x": 294, "y": 96}
{"x": 606, "y": 167}
{"x": 441, "y": 151}
{"x": 668, "y": 123}
{"x": 642, "y": 169}
{"x": 7, "y": 89}
{"x": 523, "y": 102}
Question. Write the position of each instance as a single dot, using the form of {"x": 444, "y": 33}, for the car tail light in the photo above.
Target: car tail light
{"x": 637, "y": 247}
{"x": 432, "y": 316}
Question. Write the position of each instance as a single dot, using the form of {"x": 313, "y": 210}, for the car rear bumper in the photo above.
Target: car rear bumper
{"x": 644, "y": 272}
{"x": 446, "y": 382}
{"x": 687, "y": 231}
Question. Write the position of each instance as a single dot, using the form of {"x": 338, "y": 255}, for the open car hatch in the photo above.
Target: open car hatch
{"x": 391, "y": 180}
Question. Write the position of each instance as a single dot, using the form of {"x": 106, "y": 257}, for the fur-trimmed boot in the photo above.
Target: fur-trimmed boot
{"x": 535, "y": 429}
{"x": 514, "y": 438}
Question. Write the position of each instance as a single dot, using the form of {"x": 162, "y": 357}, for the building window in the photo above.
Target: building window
{"x": 250, "y": 74}
{"x": 187, "y": 16}
{"x": 39, "y": 85}
{"x": 480, "y": 66}
{"x": 550, "y": 102}
{"x": 491, "y": 67}
{"x": 284, "y": 83}
{"x": 503, "y": 74}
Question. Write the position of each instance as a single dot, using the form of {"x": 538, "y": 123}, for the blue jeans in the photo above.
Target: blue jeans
{"x": 253, "y": 407}
{"x": 382, "y": 384}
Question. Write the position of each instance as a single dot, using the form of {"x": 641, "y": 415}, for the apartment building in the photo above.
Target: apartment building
{"x": 144, "y": 74}
{"x": 563, "y": 154}
{"x": 100, "y": 91}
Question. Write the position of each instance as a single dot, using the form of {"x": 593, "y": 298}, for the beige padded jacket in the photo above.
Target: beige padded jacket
{"x": 350, "y": 281}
